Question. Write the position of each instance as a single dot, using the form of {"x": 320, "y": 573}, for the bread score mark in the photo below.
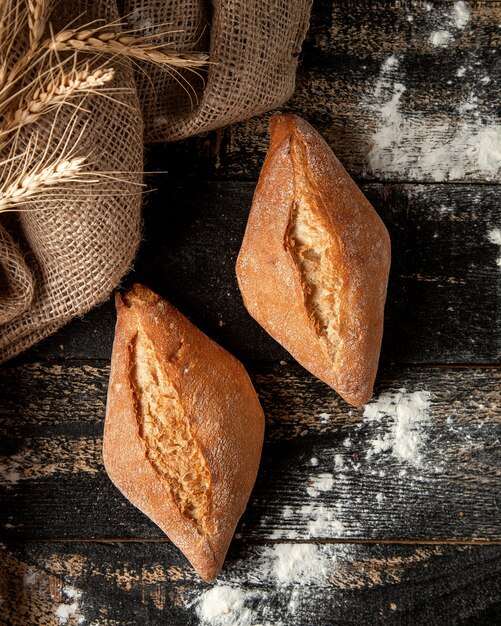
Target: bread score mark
{"x": 165, "y": 431}
{"x": 314, "y": 251}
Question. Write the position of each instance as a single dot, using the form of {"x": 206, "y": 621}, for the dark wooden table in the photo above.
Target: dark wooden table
{"x": 407, "y": 94}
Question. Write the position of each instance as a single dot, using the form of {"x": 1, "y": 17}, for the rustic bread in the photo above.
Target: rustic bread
{"x": 184, "y": 428}
{"x": 314, "y": 262}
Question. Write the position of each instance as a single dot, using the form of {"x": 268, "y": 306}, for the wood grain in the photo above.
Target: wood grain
{"x": 358, "y": 57}
{"x": 131, "y": 584}
{"x": 397, "y": 110}
{"x": 325, "y": 473}
{"x": 443, "y": 300}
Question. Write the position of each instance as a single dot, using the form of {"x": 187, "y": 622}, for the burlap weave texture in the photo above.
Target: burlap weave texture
{"x": 254, "y": 47}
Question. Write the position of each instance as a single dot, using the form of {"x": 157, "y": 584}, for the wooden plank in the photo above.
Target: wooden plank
{"x": 424, "y": 464}
{"x": 443, "y": 300}
{"x": 401, "y": 91}
{"x": 128, "y": 584}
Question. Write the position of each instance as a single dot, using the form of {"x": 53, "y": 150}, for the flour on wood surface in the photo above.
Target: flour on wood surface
{"x": 460, "y": 14}
{"x": 284, "y": 572}
{"x": 321, "y": 482}
{"x": 406, "y": 434}
{"x": 440, "y": 37}
{"x": 430, "y": 145}
{"x": 458, "y": 19}
{"x": 324, "y": 521}
{"x": 68, "y": 611}
{"x": 494, "y": 236}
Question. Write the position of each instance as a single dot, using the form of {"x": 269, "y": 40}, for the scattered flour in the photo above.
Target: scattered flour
{"x": 70, "y": 610}
{"x": 298, "y": 563}
{"x": 460, "y": 15}
{"x": 314, "y": 461}
{"x": 404, "y": 434}
{"x": 322, "y": 482}
{"x": 224, "y": 605}
{"x": 324, "y": 417}
{"x": 323, "y": 522}
{"x": 339, "y": 463}
{"x": 282, "y": 565}
{"x": 494, "y": 236}
{"x": 461, "y": 72}
{"x": 430, "y": 145}
{"x": 440, "y": 38}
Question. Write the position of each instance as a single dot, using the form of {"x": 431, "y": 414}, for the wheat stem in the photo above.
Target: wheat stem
{"x": 102, "y": 41}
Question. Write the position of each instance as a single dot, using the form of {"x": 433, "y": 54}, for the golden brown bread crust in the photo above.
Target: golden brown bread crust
{"x": 184, "y": 428}
{"x": 314, "y": 262}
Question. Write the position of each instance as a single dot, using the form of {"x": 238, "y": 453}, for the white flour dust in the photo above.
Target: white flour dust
{"x": 430, "y": 145}
{"x": 458, "y": 19}
{"x": 232, "y": 603}
{"x": 321, "y": 482}
{"x": 460, "y": 14}
{"x": 69, "y": 610}
{"x": 494, "y": 236}
{"x": 323, "y": 521}
{"x": 223, "y": 605}
{"x": 438, "y": 146}
{"x": 440, "y": 38}
{"x": 404, "y": 418}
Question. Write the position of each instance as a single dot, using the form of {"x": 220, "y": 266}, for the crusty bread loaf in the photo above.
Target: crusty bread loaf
{"x": 184, "y": 428}
{"x": 314, "y": 262}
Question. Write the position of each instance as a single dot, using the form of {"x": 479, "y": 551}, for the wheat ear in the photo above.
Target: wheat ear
{"x": 103, "y": 41}
{"x": 38, "y": 12}
{"x": 56, "y": 92}
{"x": 36, "y": 182}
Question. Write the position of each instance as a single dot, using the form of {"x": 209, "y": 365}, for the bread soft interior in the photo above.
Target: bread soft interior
{"x": 313, "y": 248}
{"x": 166, "y": 432}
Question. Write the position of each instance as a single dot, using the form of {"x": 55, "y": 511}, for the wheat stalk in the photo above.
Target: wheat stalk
{"x": 111, "y": 41}
{"x": 56, "y": 92}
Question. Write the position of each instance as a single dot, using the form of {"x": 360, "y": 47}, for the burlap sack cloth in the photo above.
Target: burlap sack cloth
{"x": 60, "y": 262}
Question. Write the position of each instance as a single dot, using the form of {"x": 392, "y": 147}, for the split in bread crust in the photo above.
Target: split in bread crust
{"x": 184, "y": 428}
{"x": 314, "y": 262}
{"x": 165, "y": 429}
{"x": 314, "y": 249}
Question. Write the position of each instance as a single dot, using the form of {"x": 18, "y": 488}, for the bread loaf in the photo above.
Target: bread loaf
{"x": 184, "y": 428}
{"x": 314, "y": 262}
